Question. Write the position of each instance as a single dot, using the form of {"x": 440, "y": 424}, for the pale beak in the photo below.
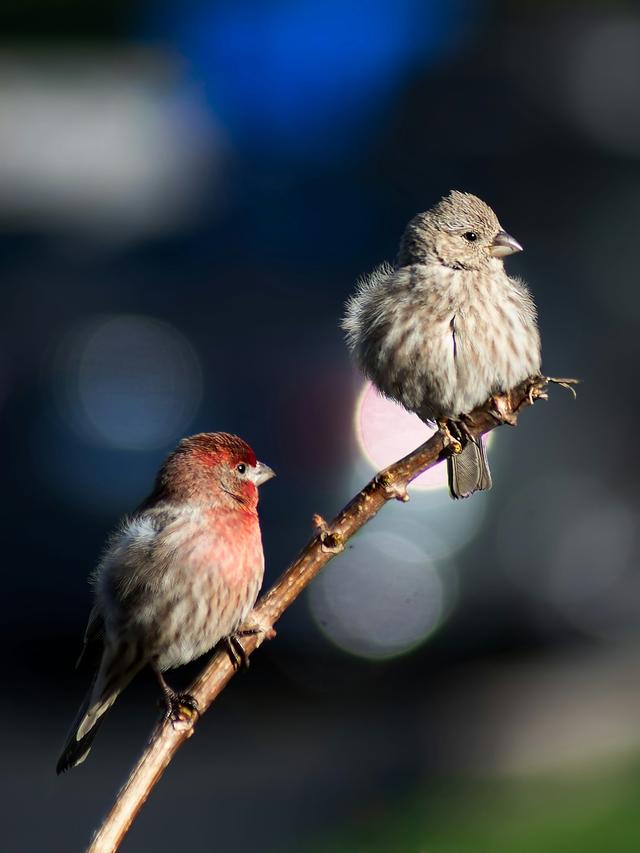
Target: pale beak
{"x": 504, "y": 244}
{"x": 261, "y": 473}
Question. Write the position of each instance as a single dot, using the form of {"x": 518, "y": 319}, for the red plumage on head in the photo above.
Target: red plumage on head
{"x": 214, "y": 447}
{"x": 198, "y": 467}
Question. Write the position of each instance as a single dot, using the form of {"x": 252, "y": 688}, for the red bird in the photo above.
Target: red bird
{"x": 181, "y": 574}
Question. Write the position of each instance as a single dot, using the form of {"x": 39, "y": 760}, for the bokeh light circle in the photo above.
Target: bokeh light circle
{"x": 382, "y": 599}
{"x": 386, "y": 431}
{"x": 130, "y": 381}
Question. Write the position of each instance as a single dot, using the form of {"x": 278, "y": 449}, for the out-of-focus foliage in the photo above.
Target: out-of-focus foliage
{"x": 587, "y": 811}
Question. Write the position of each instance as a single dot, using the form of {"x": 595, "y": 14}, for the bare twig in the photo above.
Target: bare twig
{"x": 328, "y": 541}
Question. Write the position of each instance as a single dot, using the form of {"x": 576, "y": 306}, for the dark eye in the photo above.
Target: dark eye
{"x": 471, "y": 236}
{"x": 241, "y": 468}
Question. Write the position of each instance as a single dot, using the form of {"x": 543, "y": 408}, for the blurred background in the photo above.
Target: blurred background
{"x": 188, "y": 193}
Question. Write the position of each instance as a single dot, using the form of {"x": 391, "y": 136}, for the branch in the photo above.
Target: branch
{"x": 329, "y": 540}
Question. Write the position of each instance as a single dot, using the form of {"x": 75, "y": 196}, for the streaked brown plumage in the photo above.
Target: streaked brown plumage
{"x": 446, "y": 327}
{"x": 182, "y": 573}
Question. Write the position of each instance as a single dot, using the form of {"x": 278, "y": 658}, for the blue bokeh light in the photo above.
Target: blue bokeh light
{"x": 305, "y": 77}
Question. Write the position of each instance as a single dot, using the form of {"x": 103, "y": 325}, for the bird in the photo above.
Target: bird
{"x": 179, "y": 575}
{"x": 445, "y": 329}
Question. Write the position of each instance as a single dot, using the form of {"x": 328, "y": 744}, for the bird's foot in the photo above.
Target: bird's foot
{"x": 182, "y": 710}
{"x": 257, "y": 624}
{"x": 501, "y": 409}
{"x": 236, "y": 651}
{"x": 451, "y": 435}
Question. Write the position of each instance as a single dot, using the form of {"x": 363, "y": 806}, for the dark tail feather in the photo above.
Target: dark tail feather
{"x": 75, "y": 751}
{"x": 469, "y": 471}
{"x": 89, "y": 719}
{"x": 118, "y": 666}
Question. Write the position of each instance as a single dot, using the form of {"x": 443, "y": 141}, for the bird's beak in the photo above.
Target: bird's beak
{"x": 504, "y": 244}
{"x": 261, "y": 473}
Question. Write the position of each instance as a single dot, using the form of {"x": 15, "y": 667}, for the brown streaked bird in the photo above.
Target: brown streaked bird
{"x": 179, "y": 575}
{"x": 446, "y": 328}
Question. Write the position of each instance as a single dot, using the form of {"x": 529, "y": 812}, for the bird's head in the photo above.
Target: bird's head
{"x": 460, "y": 232}
{"x": 211, "y": 467}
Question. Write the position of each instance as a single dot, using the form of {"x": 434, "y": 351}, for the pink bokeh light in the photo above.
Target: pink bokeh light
{"x": 386, "y": 432}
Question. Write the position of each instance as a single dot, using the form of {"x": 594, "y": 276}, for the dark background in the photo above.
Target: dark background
{"x": 188, "y": 192}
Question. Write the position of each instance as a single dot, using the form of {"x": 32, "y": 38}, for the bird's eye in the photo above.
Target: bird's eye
{"x": 241, "y": 468}
{"x": 471, "y": 236}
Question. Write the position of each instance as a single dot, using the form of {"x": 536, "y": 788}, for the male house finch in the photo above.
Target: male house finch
{"x": 181, "y": 574}
{"x": 447, "y": 328}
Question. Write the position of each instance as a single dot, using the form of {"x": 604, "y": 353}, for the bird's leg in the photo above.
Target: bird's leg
{"x": 464, "y": 424}
{"x": 257, "y": 625}
{"x": 181, "y": 708}
{"x": 236, "y": 651}
{"x": 446, "y": 425}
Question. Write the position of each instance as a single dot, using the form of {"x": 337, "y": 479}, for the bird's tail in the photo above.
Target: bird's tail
{"x": 469, "y": 471}
{"x": 84, "y": 729}
{"x": 107, "y": 686}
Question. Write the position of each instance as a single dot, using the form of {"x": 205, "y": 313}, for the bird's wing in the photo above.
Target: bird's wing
{"x": 138, "y": 557}
{"x": 93, "y": 636}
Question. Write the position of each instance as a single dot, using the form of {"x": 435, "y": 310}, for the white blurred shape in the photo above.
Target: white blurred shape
{"x": 103, "y": 142}
{"x": 132, "y": 382}
{"x": 603, "y": 81}
{"x": 383, "y": 598}
{"x": 386, "y": 432}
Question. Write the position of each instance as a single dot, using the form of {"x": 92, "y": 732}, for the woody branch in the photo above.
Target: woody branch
{"x": 330, "y": 539}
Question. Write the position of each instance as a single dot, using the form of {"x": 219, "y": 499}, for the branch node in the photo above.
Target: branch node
{"x": 318, "y": 523}
{"x": 184, "y": 723}
{"x": 331, "y": 541}
{"x": 392, "y": 489}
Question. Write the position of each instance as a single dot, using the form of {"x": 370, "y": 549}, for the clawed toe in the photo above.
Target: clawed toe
{"x": 257, "y": 625}
{"x": 182, "y": 710}
{"x": 500, "y": 409}
{"x": 236, "y": 651}
{"x": 447, "y": 427}
{"x": 464, "y": 426}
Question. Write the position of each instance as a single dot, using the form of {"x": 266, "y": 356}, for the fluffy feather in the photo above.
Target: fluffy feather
{"x": 180, "y": 574}
{"x": 446, "y": 327}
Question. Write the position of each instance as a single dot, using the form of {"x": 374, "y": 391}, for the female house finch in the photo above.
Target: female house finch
{"x": 182, "y": 573}
{"x": 447, "y": 328}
